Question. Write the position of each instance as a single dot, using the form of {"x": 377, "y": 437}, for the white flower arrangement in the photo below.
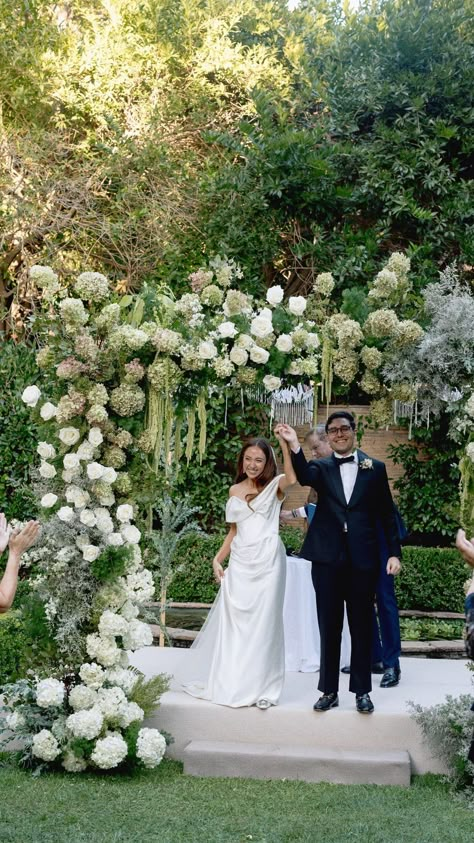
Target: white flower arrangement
{"x": 50, "y": 693}
{"x": 95, "y": 437}
{"x": 110, "y": 751}
{"x": 47, "y": 471}
{"x": 261, "y": 326}
{"x": 81, "y": 697}
{"x": 46, "y": 451}
{"x": 297, "y": 305}
{"x": 274, "y": 295}
{"x": 86, "y": 724}
{"x": 31, "y": 396}
{"x": 151, "y": 747}
{"x": 271, "y": 383}
{"x": 66, "y": 514}
{"x": 69, "y": 435}
{"x": 48, "y": 500}
{"x": 45, "y": 746}
{"x": 48, "y": 411}
{"x": 124, "y": 513}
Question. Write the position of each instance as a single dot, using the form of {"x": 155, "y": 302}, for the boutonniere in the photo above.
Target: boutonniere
{"x": 367, "y": 463}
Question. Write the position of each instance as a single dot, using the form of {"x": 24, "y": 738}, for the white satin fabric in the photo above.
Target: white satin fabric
{"x": 239, "y": 655}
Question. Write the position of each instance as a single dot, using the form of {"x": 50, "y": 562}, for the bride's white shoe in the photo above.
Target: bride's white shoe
{"x": 263, "y": 704}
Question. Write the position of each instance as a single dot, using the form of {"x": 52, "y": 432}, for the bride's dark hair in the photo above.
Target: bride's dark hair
{"x": 269, "y": 469}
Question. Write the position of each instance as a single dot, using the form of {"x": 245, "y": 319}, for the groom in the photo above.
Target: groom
{"x": 341, "y": 542}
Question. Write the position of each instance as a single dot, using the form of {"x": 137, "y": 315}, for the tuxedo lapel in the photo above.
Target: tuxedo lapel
{"x": 361, "y": 480}
{"x": 336, "y": 479}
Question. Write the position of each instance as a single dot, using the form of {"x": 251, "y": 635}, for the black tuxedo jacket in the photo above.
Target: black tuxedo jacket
{"x": 371, "y": 500}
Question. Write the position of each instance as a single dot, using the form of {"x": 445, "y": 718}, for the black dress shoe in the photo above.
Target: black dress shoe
{"x": 364, "y": 704}
{"x": 391, "y": 677}
{"x": 377, "y": 667}
{"x": 345, "y": 669}
{"x": 326, "y": 702}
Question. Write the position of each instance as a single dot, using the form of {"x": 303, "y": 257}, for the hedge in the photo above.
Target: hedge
{"x": 432, "y": 578}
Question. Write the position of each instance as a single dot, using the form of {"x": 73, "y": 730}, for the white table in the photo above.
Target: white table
{"x": 300, "y": 620}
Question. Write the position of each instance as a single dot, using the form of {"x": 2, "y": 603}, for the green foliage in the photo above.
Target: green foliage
{"x": 147, "y": 692}
{"x": 175, "y": 522}
{"x": 18, "y": 436}
{"x": 427, "y": 492}
{"x": 432, "y": 580}
{"x": 430, "y": 629}
{"x": 111, "y": 563}
{"x": 448, "y": 730}
{"x": 12, "y": 644}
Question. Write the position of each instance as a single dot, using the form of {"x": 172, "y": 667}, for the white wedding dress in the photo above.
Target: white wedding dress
{"x": 238, "y": 657}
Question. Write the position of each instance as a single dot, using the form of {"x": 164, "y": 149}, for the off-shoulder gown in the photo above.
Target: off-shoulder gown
{"x": 238, "y": 657}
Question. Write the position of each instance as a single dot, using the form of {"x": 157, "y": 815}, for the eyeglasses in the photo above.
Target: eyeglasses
{"x": 333, "y": 431}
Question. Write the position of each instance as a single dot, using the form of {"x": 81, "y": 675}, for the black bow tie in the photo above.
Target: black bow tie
{"x": 341, "y": 460}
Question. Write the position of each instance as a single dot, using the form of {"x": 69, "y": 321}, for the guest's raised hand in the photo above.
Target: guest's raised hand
{"x": 4, "y": 532}
{"x": 21, "y": 540}
{"x": 465, "y": 547}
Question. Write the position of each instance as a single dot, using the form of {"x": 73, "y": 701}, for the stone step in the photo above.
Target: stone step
{"x": 273, "y": 761}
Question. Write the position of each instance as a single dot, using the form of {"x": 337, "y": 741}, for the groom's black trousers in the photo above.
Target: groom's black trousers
{"x": 334, "y": 585}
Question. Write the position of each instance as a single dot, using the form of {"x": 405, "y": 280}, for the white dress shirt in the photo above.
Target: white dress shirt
{"x": 348, "y": 474}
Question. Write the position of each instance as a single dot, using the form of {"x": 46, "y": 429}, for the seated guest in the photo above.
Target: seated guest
{"x": 17, "y": 541}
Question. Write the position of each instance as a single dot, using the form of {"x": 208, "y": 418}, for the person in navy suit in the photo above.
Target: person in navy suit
{"x": 342, "y": 543}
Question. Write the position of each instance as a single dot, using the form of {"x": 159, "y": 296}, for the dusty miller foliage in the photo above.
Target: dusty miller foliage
{"x": 442, "y": 364}
{"x": 176, "y": 521}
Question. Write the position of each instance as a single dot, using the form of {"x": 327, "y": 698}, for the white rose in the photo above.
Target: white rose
{"x": 90, "y": 552}
{"x": 227, "y": 329}
{"x": 238, "y": 356}
{"x": 85, "y": 451}
{"x": 87, "y": 518}
{"x": 47, "y": 501}
{"x": 244, "y": 341}
{"x": 82, "y": 499}
{"x": 66, "y": 514}
{"x": 284, "y": 343}
{"x": 31, "y": 396}
{"x": 69, "y": 435}
{"x": 259, "y": 355}
{"x": 46, "y": 451}
{"x": 47, "y": 470}
{"x": 48, "y": 411}
{"x": 297, "y": 305}
{"x": 130, "y": 533}
{"x": 271, "y": 382}
{"x": 312, "y": 341}
{"x": 95, "y": 471}
{"x": 109, "y": 475}
{"x": 71, "y": 461}
{"x": 115, "y": 539}
{"x": 275, "y": 295}
{"x": 261, "y": 326}
{"x": 124, "y": 512}
{"x": 207, "y": 350}
{"x": 68, "y": 476}
{"x": 82, "y": 540}
{"x": 95, "y": 436}
{"x": 107, "y": 500}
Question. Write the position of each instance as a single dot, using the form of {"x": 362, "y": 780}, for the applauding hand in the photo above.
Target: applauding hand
{"x": 4, "y": 532}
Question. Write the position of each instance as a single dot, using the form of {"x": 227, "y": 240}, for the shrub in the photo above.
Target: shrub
{"x": 432, "y": 580}
{"x": 12, "y": 645}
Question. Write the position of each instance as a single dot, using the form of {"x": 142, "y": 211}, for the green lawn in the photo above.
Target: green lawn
{"x": 164, "y": 806}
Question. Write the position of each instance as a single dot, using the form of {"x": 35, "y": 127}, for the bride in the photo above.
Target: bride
{"x": 238, "y": 658}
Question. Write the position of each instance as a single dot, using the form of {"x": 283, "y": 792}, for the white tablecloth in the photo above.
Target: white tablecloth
{"x": 300, "y": 620}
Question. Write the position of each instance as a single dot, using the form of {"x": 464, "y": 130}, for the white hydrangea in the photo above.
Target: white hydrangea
{"x": 47, "y": 471}
{"x": 130, "y": 533}
{"x": 110, "y": 751}
{"x": 95, "y": 470}
{"x": 69, "y": 435}
{"x": 46, "y": 451}
{"x": 85, "y": 451}
{"x": 259, "y": 355}
{"x": 238, "y": 356}
{"x": 50, "y": 693}
{"x": 95, "y": 436}
{"x": 284, "y": 343}
{"x": 90, "y": 552}
{"x": 92, "y": 675}
{"x": 30, "y": 396}
{"x": 129, "y": 610}
{"x": 275, "y": 295}
{"x": 87, "y": 518}
{"x": 140, "y": 586}
{"x": 124, "y": 513}
{"x": 123, "y": 678}
{"x": 82, "y": 697}
{"x": 92, "y": 286}
{"x": 151, "y": 747}
{"x": 15, "y": 721}
{"x": 261, "y": 326}
{"x": 111, "y": 702}
{"x": 130, "y": 713}
{"x": 112, "y": 624}
{"x": 138, "y": 635}
{"x": 86, "y": 724}
{"x": 45, "y": 746}
{"x": 49, "y": 500}
{"x": 271, "y": 383}
{"x": 48, "y": 411}
{"x": 104, "y": 650}
{"x": 297, "y": 305}
{"x": 72, "y": 763}
{"x": 66, "y": 514}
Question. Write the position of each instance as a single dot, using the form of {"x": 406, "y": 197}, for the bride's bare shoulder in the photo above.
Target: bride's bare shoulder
{"x": 237, "y": 490}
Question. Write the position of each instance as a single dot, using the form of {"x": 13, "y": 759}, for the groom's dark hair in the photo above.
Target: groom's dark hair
{"x": 341, "y": 414}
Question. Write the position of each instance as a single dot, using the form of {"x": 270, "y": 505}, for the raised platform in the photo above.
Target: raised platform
{"x": 293, "y": 724}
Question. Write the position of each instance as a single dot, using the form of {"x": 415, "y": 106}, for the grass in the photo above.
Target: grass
{"x": 165, "y": 806}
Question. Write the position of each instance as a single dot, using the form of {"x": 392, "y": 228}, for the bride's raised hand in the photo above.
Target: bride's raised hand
{"x": 218, "y": 571}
